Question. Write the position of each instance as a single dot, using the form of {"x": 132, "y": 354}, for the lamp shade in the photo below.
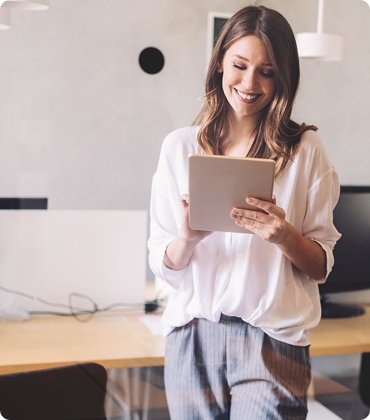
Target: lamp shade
{"x": 27, "y": 4}
{"x": 4, "y": 19}
{"x": 328, "y": 47}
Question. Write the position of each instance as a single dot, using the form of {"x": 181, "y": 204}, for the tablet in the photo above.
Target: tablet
{"x": 219, "y": 183}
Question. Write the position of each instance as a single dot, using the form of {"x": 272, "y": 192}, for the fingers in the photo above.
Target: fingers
{"x": 253, "y": 225}
{"x": 266, "y": 206}
{"x": 267, "y": 226}
{"x": 265, "y": 218}
{"x": 250, "y": 217}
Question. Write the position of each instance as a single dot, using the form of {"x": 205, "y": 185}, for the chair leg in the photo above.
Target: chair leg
{"x": 364, "y": 379}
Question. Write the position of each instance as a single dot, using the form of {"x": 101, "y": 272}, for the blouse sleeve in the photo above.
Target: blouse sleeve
{"x": 165, "y": 213}
{"x": 322, "y": 197}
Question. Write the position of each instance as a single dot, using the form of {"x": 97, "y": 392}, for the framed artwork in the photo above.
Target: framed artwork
{"x": 216, "y": 21}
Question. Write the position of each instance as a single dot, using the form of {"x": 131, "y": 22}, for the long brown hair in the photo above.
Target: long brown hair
{"x": 276, "y": 135}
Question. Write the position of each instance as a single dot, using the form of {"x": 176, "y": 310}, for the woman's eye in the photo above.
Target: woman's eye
{"x": 238, "y": 66}
{"x": 267, "y": 73}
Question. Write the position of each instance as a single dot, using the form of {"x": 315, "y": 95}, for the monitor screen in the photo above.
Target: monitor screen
{"x": 23, "y": 203}
{"x": 351, "y": 271}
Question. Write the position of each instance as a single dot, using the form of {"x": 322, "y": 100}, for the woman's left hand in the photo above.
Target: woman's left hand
{"x": 267, "y": 220}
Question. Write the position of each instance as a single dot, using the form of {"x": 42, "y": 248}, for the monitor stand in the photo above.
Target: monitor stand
{"x": 339, "y": 310}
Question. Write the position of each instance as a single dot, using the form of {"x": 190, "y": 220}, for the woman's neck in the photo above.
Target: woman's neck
{"x": 238, "y": 136}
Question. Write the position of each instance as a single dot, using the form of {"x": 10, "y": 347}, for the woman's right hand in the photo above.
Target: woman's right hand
{"x": 180, "y": 250}
{"x": 186, "y": 232}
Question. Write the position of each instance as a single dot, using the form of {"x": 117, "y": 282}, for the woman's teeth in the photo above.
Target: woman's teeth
{"x": 247, "y": 96}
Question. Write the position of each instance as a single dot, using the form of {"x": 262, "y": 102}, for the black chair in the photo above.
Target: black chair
{"x": 74, "y": 392}
{"x": 364, "y": 379}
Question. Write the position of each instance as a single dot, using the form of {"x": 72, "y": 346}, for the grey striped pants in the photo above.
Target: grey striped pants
{"x": 232, "y": 370}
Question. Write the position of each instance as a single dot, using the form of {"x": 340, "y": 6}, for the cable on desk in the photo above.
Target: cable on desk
{"x": 82, "y": 314}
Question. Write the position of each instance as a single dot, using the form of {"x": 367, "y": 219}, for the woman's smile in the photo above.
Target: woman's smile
{"x": 248, "y": 98}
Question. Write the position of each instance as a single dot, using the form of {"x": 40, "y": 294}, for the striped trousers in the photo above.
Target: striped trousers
{"x": 232, "y": 370}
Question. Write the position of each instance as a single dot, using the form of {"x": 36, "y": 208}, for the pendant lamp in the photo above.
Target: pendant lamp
{"x": 26, "y": 4}
{"x": 4, "y": 19}
{"x": 320, "y": 45}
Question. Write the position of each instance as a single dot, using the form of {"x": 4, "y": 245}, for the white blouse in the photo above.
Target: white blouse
{"x": 239, "y": 274}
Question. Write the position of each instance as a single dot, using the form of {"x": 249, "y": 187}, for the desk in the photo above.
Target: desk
{"x": 111, "y": 339}
{"x": 342, "y": 336}
{"x": 122, "y": 340}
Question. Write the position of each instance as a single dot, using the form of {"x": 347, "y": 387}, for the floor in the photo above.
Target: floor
{"x": 341, "y": 398}
{"x": 317, "y": 411}
{"x": 144, "y": 389}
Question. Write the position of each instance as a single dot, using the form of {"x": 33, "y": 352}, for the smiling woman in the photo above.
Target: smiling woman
{"x": 227, "y": 322}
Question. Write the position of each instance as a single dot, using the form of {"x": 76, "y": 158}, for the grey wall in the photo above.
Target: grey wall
{"x": 82, "y": 123}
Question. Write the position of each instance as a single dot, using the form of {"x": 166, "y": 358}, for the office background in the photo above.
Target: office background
{"x": 82, "y": 124}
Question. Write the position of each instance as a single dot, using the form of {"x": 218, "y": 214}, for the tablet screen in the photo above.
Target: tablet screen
{"x": 219, "y": 183}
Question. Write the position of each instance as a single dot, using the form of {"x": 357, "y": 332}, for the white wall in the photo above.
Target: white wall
{"x": 80, "y": 121}
{"x": 82, "y": 124}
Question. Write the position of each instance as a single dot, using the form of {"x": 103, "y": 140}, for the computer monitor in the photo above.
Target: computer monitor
{"x": 351, "y": 271}
{"x": 82, "y": 257}
{"x": 23, "y": 203}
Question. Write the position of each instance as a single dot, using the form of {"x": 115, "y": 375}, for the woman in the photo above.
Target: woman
{"x": 241, "y": 304}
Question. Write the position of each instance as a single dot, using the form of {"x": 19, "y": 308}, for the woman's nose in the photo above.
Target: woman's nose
{"x": 249, "y": 79}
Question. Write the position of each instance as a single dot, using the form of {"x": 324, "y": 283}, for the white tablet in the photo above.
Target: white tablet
{"x": 219, "y": 183}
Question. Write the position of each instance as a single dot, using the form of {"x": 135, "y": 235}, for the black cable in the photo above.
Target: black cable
{"x": 82, "y": 314}
{"x": 28, "y": 296}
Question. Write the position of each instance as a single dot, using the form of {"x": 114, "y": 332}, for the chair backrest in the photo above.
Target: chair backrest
{"x": 74, "y": 392}
{"x": 364, "y": 379}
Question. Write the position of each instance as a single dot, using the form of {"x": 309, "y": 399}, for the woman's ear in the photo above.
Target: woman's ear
{"x": 219, "y": 67}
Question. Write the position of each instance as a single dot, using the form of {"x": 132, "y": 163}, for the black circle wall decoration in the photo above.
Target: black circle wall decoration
{"x": 151, "y": 60}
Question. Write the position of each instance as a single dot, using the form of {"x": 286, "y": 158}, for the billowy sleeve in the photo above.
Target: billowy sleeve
{"x": 322, "y": 198}
{"x": 166, "y": 211}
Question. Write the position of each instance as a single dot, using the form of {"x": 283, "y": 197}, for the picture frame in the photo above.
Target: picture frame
{"x": 215, "y": 23}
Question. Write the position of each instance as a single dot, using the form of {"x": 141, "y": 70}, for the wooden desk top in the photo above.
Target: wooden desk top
{"x": 342, "y": 335}
{"x": 111, "y": 339}
{"x": 122, "y": 340}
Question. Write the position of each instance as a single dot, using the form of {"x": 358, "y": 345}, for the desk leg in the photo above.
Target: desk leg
{"x": 311, "y": 389}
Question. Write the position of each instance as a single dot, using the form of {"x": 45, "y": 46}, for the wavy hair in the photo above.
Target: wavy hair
{"x": 276, "y": 135}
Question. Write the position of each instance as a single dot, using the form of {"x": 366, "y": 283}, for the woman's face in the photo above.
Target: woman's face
{"x": 248, "y": 80}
